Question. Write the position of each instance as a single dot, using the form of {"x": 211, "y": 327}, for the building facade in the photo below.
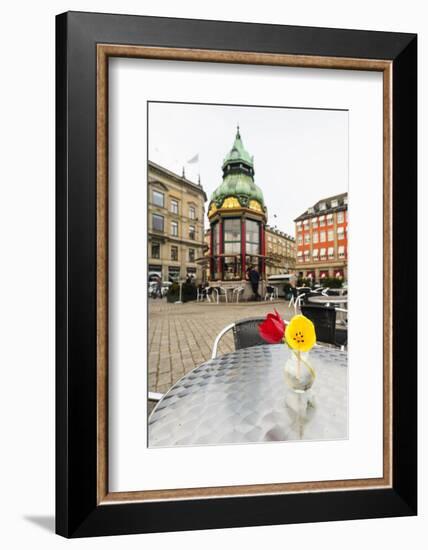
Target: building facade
{"x": 280, "y": 252}
{"x": 175, "y": 225}
{"x": 322, "y": 239}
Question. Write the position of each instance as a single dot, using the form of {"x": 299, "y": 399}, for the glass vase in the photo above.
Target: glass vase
{"x": 298, "y": 372}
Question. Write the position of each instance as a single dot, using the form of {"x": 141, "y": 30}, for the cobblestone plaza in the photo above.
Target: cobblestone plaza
{"x": 181, "y": 336}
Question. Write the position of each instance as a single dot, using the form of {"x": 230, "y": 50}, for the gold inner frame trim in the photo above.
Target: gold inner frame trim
{"x": 104, "y": 51}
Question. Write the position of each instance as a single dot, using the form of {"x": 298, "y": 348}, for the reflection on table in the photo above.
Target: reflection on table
{"x": 242, "y": 397}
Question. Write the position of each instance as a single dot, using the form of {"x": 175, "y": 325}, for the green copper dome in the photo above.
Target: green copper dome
{"x": 238, "y": 154}
{"x": 238, "y": 177}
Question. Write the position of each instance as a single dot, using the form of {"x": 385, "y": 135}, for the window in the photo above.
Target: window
{"x": 329, "y": 219}
{"x": 232, "y": 248}
{"x": 307, "y": 238}
{"x": 174, "y": 206}
{"x": 306, "y": 253}
{"x": 340, "y": 217}
{"x": 232, "y": 236}
{"x": 157, "y": 222}
{"x": 215, "y": 229}
{"x": 156, "y": 251}
{"x": 305, "y": 223}
{"x": 322, "y": 253}
{"x": 158, "y": 198}
{"x": 322, "y": 206}
{"x": 192, "y": 212}
{"x": 334, "y": 203}
{"x": 322, "y": 237}
{"x": 315, "y": 237}
{"x": 299, "y": 239}
{"x": 330, "y": 235}
{"x": 322, "y": 221}
{"x": 341, "y": 251}
{"x": 174, "y": 253}
{"x": 299, "y": 225}
{"x": 252, "y": 237}
{"x": 174, "y": 229}
{"x": 314, "y": 221}
{"x": 331, "y": 252}
{"x": 315, "y": 253}
{"x": 191, "y": 254}
{"x": 216, "y": 240}
{"x": 192, "y": 232}
{"x": 340, "y": 233}
{"x": 311, "y": 210}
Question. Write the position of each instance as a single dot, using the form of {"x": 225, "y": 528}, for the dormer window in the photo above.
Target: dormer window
{"x": 311, "y": 210}
{"x": 334, "y": 203}
{"x": 322, "y": 206}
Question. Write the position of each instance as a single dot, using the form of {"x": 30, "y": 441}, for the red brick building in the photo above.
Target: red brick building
{"x": 322, "y": 239}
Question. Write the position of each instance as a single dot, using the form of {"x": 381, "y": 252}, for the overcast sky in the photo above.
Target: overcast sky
{"x": 300, "y": 155}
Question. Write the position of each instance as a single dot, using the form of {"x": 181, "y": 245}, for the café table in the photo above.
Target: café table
{"x": 329, "y": 300}
{"x": 243, "y": 397}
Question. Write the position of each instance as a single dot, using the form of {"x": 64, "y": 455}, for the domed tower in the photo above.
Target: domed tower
{"x": 237, "y": 216}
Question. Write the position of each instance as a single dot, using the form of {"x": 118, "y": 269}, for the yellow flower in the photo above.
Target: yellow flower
{"x": 300, "y": 333}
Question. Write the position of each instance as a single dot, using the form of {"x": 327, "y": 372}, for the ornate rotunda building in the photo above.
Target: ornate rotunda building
{"x": 237, "y": 216}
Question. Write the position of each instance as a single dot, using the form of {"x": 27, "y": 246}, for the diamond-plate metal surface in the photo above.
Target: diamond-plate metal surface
{"x": 242, "y": 397}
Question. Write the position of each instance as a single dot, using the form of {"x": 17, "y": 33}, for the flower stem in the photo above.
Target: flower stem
{"x": 298, "y": 365}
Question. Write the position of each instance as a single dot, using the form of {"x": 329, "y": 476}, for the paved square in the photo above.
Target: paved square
{"x": 181, "y": 336}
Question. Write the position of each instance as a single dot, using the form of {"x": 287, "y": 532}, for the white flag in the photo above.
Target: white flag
{"x": 194, "y": 159}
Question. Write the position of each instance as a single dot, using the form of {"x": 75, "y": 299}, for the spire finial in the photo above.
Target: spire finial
{"x": 183, "y": 174}
{"x": 238, "y": 135}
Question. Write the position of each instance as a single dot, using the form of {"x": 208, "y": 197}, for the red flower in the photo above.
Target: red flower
{"x": 273, "y": 328}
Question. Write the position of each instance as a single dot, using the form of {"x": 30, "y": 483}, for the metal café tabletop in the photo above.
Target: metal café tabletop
{"x": 242, "y": 397}
{"x": 333, "y": 300}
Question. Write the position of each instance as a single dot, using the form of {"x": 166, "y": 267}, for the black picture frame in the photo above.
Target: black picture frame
{"x": 78, "y": 513}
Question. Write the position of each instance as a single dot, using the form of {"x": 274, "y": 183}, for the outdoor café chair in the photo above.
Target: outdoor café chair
{"x": 245, "y": 334}
{"x": 238, "y": 290}
{"x": 270, "y": 293}
{"x": 318, "y": 290}
{"x": 294, "y": 295}
{"x": 333, "y": 292}
{"x": 222, "y": 292}
{"x": 325, "y": 291}
{"x": 299, "y": 299}
{"x": 212, "y": 294}
{"x": 324, "y": 319}
{"x": 201, "y": 293}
